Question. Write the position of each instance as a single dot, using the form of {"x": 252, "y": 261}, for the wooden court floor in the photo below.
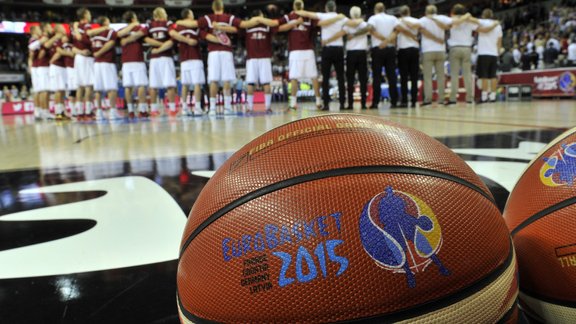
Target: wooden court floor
{"x": 92, "y": 214}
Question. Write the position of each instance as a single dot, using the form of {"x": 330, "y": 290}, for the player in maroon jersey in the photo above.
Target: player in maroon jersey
{"x": 220, "y": 59}
{"x": 162, "y": 71}
{"x": 83, "y": 62}
{"x": 259, "y": 59}
{"x": 134, "y": 74}
{"x": 191, "y": 65}
{"x": 302, "y": 60}
{"x": 39, "y": 83}
{"x": 68, "y": 54}
{"x": 105, "y": 73}
{"x": 57, "y": 69}
{"x": 43, "y": 70}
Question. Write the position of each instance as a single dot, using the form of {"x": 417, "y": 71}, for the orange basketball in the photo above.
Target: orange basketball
{"x": 346, "y": 217}
{"x": 540, "y": 215}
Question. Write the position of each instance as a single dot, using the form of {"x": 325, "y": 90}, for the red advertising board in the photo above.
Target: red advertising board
{"x": 17, "y": 107}
{"x": 544, "y": 83}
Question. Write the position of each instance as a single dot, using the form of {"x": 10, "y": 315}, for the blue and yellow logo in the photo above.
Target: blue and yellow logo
{"x": 401, "y": 233}
{"x": 559, "y": 169}
{"x": 567, "y": 82}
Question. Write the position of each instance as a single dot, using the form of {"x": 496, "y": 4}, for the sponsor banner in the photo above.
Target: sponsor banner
{"x": 17, "y": 107}
{"x": 24, "y": 27}
{"x": 544, "y": 83}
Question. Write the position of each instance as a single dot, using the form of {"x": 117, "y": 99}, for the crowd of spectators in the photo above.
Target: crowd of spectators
{"x": 13, "y": 52}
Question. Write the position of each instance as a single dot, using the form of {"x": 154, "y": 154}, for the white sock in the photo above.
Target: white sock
{"x": 88, "y": 108}
{"x": 227, "y": 102}
{"x": 154, "y": 107}
{"x": 142, "y": 107}
{"x": 212, "y": 104}
{"x": 185, "y": 106}
{"x": 318, "y": 101}
{"x": 492, "y": 96}
{"x": 172, "y": 106}
{"x": 59, "y": 109}
{"x": 250, "y": 100}
{"x": 130, "y": 107}
{"x": 268, "y": 100}
{"x": 73, "y": 109}
{"x": 293, "y": 101}
{"x": 484, "y": 95}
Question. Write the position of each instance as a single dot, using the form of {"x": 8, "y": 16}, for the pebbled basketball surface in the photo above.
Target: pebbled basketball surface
{"x": 540, "y": 215}
{"x": 345, "y": 217}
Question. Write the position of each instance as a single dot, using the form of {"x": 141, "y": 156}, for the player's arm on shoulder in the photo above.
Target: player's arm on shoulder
{"x": 442, "y": 24}
{"x": 252, "y": 22}
{"x": 187, "y": 23}
{"x": 164, "y": 47}
{"x": 431, "y": 36}
{"x": 127, "y": 30}
{"x": 489, "y": 28}
{"x": 353, "y": 23}
{"x": 96, "y": 31}
{"x": 290, "y": 25}
{"x": 410, "y": 24}
{"x": 306, "y": 14}
{"x": 330, "y": 21}
{"x": 55, "y": 57}
{"x": 268, "y": 22}
{"x": 456, "y": 21}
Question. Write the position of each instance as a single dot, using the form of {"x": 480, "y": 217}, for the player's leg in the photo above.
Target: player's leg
{"x": 142, "y": 105}
{"x": 129, "y": 97}
{"x": 169, "y": 83}
{"x": 111, "y": 85}
{"x": 251, "y": 77}
{"x": 265, "y": 78}
{"x": 228, "y": 75}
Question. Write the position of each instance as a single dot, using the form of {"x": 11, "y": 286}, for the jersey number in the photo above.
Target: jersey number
{"x": 159, "y": 35}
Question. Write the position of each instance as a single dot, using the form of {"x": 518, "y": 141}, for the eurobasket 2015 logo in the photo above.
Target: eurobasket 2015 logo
{"x": 401, "y": 233}
{"x": 559, "y": 169}
{"x": 567, "y": 82}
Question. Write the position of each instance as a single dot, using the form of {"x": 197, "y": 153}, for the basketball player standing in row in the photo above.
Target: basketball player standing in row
{"x": 302, "y": 60}
{"x": 162, "y": 70}
{"x": 105, "y": 73}
{"x": 331, "y": 25}
{"x": 134, "y": 74}
{"x": 54, "y": 46}
{"x": 83, "y": 63}
{"x": 382, "y": 28}
{"x": 356, "y": 57}
{"x": 191, "y": 64}
{"x": 39, "y": 71}
{"x": 408, "y": 57}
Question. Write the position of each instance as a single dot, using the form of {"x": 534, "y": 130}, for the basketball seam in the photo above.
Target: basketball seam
{"x": 322, "y": 175}
{"x": 406, "y": 314}
{"x": 548, "y": 300}
{"x": 543, "y": 213}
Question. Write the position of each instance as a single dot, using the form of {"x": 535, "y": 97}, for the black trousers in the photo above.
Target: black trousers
{"x": 356, "y": 62}
{"x": 409, "y": 66}
{"x": 333, "y": 55}
{"x": 384, "y": 58}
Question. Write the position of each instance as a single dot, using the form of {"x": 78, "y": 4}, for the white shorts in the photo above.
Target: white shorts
{"x": 259, "y": 71}
{"x": 41, "y": 79}
{"x": 71, "y": 84}
{"x": 105, "y": 76}
{"x": 221, "y": 66}
{"x": 134, "y": 74}
{"x": 162, "y": 73}
{"x": 57, "y": 78}
{"x": 84, "y": 68}
{"x": 192, "y": 72}
{"x": 302, "y": 65}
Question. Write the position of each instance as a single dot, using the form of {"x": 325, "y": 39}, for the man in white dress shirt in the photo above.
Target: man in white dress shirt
{"x": 489, "y": 45}
{"x": 331, "y": 24}
{"x": 383, "y": 52}
{"x": 433, "y": 52}
{"x": 408, "y": 56}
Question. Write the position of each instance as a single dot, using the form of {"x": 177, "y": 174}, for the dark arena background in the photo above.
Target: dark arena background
{"x": 95, "y": 194}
